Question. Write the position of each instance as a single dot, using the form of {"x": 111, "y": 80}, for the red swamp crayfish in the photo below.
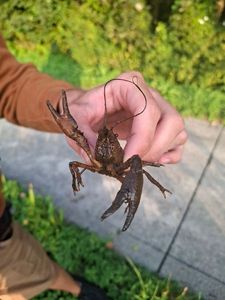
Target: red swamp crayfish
{"x": 108, "y": 159}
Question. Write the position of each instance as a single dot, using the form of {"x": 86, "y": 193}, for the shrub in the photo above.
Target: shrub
{"x": 96, "y": 40}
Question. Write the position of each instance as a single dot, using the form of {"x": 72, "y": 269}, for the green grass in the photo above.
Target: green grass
{"x": 82, "y": 252}
{"x": 189, "y": 100}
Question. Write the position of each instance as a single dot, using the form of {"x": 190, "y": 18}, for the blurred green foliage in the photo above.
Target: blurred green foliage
{"x": 181, "y": 43}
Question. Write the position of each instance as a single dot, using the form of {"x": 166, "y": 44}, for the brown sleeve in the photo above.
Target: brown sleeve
{"x": 24, "y": 91}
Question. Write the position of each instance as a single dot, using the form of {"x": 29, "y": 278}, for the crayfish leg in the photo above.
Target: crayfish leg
{"x": 151, "y": 164}
{"x": 76, "y": 174}
{"x": 155, "y": 182}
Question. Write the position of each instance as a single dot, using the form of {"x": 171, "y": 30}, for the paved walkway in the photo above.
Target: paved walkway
{"x": 182, "y": 236}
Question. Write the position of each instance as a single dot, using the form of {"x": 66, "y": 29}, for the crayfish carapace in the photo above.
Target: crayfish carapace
{"x": 108, "y": 159}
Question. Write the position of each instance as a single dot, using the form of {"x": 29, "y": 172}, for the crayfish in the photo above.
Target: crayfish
{"x": 108, "y": 160}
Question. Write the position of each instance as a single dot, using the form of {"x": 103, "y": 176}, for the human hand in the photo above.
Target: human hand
{"x": 157, "y": 134}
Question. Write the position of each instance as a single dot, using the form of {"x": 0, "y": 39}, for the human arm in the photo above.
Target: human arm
{"x": 23, "y": 93}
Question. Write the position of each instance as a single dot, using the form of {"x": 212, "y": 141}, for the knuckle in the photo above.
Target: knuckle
{"x": 137, "y": 74}
{"x": 176, "y": 155}
{"x": 151, "y": 155}
{"x": 131, "y": 74}
{"x": 183, "y": 136}
{"x": 154, "y": 157}
{"x": 178, "y": 122}
{"x": 174, "y": 158}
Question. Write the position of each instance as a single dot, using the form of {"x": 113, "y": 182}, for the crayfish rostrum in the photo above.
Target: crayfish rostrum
{"x": 108, "y": 160}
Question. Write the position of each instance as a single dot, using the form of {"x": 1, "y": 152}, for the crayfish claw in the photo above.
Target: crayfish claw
{"x": 106, "y": 214}
{"x": 129, "y": 193}
{"x": 121, "y": 197}
{"x": 131, "y": 208}
{"x": 65, "y": 120}
{"x": 126, "y": 209}
{"x": 116, "y": 204}
{"x": 54, "y": 112}
{"x": 65, "y": 104}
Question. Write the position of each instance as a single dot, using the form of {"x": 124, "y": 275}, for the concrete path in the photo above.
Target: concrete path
{"x": 182, "y": 236}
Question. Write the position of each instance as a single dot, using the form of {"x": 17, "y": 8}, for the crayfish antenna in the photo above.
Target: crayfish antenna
{"x": 131, "y": 117}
